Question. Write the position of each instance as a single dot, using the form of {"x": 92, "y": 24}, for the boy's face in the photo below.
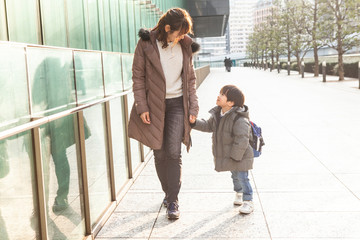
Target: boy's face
{"x": 222, "y": 101}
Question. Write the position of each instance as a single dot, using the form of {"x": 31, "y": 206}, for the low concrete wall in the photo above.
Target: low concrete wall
{"x": 201, "y": 73}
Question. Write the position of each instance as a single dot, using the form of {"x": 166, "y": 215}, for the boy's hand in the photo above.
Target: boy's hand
{"x": 145, "y": 117}
{"x": 192, "y": 119}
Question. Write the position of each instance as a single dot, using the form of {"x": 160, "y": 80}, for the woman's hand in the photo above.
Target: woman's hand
{"x": 145, "y": 117}
{"x": 192, "y": 119}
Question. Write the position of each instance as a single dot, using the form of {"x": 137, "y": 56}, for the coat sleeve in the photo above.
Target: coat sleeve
{"x": 193, "y": 99}
{"x": 241, "y": 133}
{"x": 205, "y": 125}
{"x": 138, "y": 77}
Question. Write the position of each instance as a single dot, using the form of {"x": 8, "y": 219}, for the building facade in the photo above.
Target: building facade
{"x": 241, "y": 23}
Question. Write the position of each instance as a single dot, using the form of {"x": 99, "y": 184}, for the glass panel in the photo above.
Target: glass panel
{"x": 137, "y": 14}
{"x": 92, "y": 24}
{"x": 13, "y": 87}
{"x": 115, "y": 25}
{"x": 51, "y": 79}
{"x": 118, "y": 143}
{"x": 134, "y": 145}
{"x": 96, "y": 161}
{"x": 132, "y": 27}
{"x": 88, "y": 73}
{"x": 61, "y": 179}
{"x": 53, "y": 23}
{"x": 112, "y": 73}
{"x": 124, "y": 26}
{"x": 105, "y": 25}
{"x": 126, "y": 62}
{"x": 144, "y": 17}
{"x": 76, "y": 24}
{"x": 3, "y": 24}
{"x": 18, "y": 201}
{"x": 22, "y": 21}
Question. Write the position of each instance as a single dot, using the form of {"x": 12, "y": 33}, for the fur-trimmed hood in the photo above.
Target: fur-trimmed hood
{"x": 145, "y": 35}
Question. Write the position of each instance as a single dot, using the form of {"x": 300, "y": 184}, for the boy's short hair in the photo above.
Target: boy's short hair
{"x": 233, "y": 94}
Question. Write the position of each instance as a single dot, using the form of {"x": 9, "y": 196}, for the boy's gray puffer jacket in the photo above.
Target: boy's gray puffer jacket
{"x": 231, "y": 148}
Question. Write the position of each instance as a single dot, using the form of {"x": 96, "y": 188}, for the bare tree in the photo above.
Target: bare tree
{"x": 341, "y": 26}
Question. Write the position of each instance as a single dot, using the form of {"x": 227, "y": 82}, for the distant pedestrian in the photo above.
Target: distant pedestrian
{"x": 230, "y": 138}
{"x": 164, "y": 86}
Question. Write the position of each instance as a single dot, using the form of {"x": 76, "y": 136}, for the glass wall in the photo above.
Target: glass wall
{"x": 23, "y": 22}
{"x": 3, "y": 24}
{"x": 18, "y": 199}
{"x": 55, "y": 96}
{"x": 13, "y": 87}
{"x": 61, "y": 171}
{"x": 53, "y": 14}
{"x": 96, "y": 161}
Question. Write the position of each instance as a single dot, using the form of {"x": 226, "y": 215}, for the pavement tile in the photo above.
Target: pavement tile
{"x": 128, "y": 225}
{"x": 309, "y": 201}
{"x": 326, "y": 225}
{"x": 211, "y": 225}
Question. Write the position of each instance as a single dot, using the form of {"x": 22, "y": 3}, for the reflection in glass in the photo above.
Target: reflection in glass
{"x": 18, "y": 200}
{"x": 61, "y": 179}
{"x": 13, "y": 88}
{"x": 88, "y": 73}
{"x": 118, "y": 143}
{"x": 126, "y": 62}
{"x": 22, "y": 21}
{"x": 96, "y": 161}
{"x": 124, "y": 26}
{"x": 75, "y": 15}
{"x": 92, "y": 24}
{"x": 53, "y": 14}
{"x": 115, "y": 25}
{"x": 51, "y": 80}
{"x": 105, "y": 25}
{"x": 3, "y": 25}
{"x": 132, "y": 27}
{"x": 112, "y": 73}
{"x": 134, "y": 145}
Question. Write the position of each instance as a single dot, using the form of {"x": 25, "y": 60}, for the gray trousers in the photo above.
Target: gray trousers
{"x": 168, "y": 158}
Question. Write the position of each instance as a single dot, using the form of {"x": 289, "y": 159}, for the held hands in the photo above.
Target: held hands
{"x": 192, "y": 119}
{"x": 145, "y": 117}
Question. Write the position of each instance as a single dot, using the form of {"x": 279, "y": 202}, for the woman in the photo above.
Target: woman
{"x": 164, "y": 89}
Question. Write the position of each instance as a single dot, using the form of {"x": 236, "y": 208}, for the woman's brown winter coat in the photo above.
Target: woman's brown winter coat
{"x": 230, "y": 138}
{"x": 149, "y": 86}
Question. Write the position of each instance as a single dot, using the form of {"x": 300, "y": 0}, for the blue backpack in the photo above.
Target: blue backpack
{"x": 257, "y": 140}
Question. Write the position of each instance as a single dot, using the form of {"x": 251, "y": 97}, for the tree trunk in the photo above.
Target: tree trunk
{"x": 339, "y": 44}
{"x": 298, "y": 62}
{"x": 316, "y": 63}
{"x": 341, "y": 66}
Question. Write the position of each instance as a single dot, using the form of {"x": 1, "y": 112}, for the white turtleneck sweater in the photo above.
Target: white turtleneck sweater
{"x": 171, "y": 59}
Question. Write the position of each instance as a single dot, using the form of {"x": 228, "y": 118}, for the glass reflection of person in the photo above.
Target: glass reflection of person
{"x": 4, "y": 171}
{"x": 52, "y": 79}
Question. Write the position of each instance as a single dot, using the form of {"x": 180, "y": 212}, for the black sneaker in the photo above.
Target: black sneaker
{"x": 173, "y": 211}
{"x": 60, "y": 205}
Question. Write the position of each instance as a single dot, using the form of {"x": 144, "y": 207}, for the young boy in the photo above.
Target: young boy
{"x": 231, "y": 148}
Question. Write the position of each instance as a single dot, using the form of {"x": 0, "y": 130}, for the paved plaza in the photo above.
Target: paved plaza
{"x": 306, "y": 184}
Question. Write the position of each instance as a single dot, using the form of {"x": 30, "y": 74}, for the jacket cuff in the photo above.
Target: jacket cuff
{"x": 141, "y": 109}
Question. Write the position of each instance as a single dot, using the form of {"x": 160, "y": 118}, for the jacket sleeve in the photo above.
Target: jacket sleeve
{"x": 241, "y": 133}
{"x": 205, "y": 125}
{"x": 138, "y": 77}
{"x": 193, "y": 99}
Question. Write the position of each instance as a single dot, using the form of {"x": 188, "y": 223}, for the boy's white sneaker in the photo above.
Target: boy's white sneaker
{"x": 247, "y": 207}
{"x": 238, "y": 199}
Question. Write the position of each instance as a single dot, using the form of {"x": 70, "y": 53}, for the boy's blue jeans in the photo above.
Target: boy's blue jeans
{"x": 242, "y": 184}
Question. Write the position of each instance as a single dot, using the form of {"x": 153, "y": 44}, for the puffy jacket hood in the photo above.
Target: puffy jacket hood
{"x": 243, "y": 112}
{"x": 145, "y": 35}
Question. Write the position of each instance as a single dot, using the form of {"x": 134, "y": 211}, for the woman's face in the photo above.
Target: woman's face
{"x": 174, "y": 36}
